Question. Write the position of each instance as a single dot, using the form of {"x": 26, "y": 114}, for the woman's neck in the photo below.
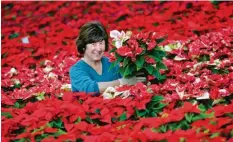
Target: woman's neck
{"x": 94, "y": 64}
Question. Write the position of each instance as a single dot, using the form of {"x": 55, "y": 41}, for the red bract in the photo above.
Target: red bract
{"x": 139, "y": 90}
{"x": 149, "y": 60}
{"x": 125, "y": 51}
{"x": 151, "y": 45}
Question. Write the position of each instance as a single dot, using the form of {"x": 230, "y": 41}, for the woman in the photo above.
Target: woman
{"x": 91, "y": 73}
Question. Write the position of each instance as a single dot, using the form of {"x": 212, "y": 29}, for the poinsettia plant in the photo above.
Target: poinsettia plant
{"x": 137, "y": 54}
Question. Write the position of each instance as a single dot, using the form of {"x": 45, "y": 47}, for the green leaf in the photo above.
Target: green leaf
{"x": 149, "y": 69}
{"x": 126, "y": 61}
{"x": 4, "y": 55}
{"x": 141, "y": 113}
{"x": 119, "y": 58}
{"x": 121, "y": 71}
{"x": 123, "y": 117}
{"x": 202, "y": 107}
{"x": 153, "y": 114}
{"x": 97, "y": 111}
{"x": 189, "y": 116}
{"x": 40, "y": 96}
{"x": 113, "y": 49}
{"x": 14, "y": 35}
{"x": 17, "y": 105}
{"x": 162, "y": 77}
{"x": 183, "y": 125}
{"x": 160, "y": 52}
{"x": 157, "y": 74}
{"x": 163, "y": 128}
{"x": 214, "y": 135}
{"x": 157, "y": 98}
{"x": 160, "y": 106}
{"x": 57, "y": 123}
{"x": 128, "y": 71}
{"x": 172, "y": 126}
{"x": 154, "y": 54}
{"x": 229, "y": 115}
{"x": 78, "y": 120}
{"x": 161, "y": 65}
{"x": 203, "y": 58}
{"x": 41, "y": 137}
{"x": 112, "y": 66}
{"x": 23, "y": 140}
{"x": 114, "y": 119}
{"x": 139, "y": 62}
{"x": 58, "y": 133}
{"x": 18, "y": 85}
{"x": 219, "y": 71}
{"x": 160, "y": 40}
{"x": 88, "y": 119}
{"x": 42, "y": 63}
{"x": 218, "y": 101}
{"x": 214, "y": 2}
{"x": 156, "y": 24}
{"x": 157, "y": 54}
{"x": 202, "y": 116}
{"x": 156, "y": 58}
{"x": 6, "y": 114}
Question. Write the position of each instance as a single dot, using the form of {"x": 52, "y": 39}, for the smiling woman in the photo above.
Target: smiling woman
{"x": 91, "y": 73}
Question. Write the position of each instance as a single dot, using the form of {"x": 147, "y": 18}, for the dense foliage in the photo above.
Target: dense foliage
{"x": 193, "y": 103}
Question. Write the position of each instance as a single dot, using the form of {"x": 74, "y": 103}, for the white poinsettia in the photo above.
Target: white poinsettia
{"x": 119, "y": 37}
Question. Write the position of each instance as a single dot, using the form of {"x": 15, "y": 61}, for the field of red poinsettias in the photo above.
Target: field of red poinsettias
{"x": 194, "y": 103}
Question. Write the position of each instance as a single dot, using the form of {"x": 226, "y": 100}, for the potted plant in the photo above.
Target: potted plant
{"x": 137, "y": 55}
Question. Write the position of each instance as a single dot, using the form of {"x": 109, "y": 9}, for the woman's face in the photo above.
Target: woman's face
{"x": 95, "y": 51}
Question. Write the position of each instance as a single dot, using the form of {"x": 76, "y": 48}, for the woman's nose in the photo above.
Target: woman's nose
{"x": 98, "y": 46}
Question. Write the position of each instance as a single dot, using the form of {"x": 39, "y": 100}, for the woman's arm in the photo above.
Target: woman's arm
{"x": 104, "y": 85}
{"x": 82, "y": 82}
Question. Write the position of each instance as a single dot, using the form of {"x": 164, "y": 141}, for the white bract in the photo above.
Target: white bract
{"x": 52, "y": 75}
{"x": 16, "y": 81}
{"x": 167, "y": 48}
{"x": 66, "y": 87}
{"x": 206, "y": 95}
{"x": 109, "y": 93}
{"x": 119, "y": 37}
{"x": 178, "y": 58}
{"x": 25, "y": 40}
{"x": 47, "y": 69}
{"x": 13, "y": 71}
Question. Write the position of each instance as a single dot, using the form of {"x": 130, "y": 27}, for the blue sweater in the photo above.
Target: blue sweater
{"x": 84, "y": 78}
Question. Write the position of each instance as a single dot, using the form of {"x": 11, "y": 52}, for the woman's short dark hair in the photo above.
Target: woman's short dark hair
{"x": 91, "y": 32}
